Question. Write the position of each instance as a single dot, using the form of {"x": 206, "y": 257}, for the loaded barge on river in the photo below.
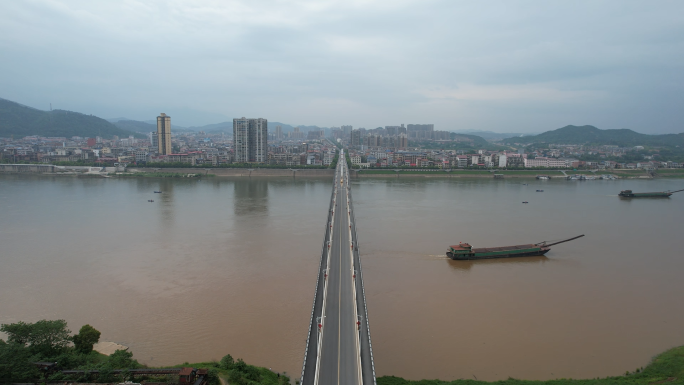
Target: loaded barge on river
{"x": 464, "y": 251}
{"x": 658, "y": 194}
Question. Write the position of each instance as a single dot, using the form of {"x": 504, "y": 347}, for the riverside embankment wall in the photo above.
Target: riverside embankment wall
{"x": 440, "y": 174}
{"x": 255, "y": 172}
{"x": 506, "y": 174}
{"x": 12, "y": 168}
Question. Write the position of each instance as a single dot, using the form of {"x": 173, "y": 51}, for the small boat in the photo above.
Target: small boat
{"x": 526, "y": 202}
{"x": 543, "y": 177}
{"x": 540, "y": 190}
{"x": 150, "y": 200}
{"x": 157, "y": 192}
{"x": 463, "y": 251}
{"x": 524, "y": 184}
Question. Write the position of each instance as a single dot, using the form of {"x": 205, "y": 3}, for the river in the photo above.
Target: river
{"x": 219, "y": 266}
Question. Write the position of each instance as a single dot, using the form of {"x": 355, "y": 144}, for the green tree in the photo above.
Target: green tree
{"x": 243, "y": 374}
{"x": 19, "y": 332}
{"x": 86, "y": 338}
{"x": 227, "y": 362}
{"x": 213, "y": 377}
{"x": 122, "y": 359}
{"x": 15, "y": 363}
{"x": 44, "y": 338}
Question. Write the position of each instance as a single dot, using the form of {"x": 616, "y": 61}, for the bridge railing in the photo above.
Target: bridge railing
{"x": 312, "y": 348}
{"x": 367, "y": 364}
{"x": 311, "y": 352}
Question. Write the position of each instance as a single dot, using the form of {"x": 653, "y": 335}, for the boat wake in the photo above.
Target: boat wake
{"x": 436, "y": 257}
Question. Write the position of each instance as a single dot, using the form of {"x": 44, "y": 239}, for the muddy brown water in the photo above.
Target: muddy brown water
{"x": 223, "y": 266}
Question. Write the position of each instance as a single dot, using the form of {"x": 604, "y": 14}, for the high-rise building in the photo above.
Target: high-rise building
{"x": 355, "y": 138}
{"x": 164, "y": 134}
{"x": 250, "y": 140}
{"x": 403, "y": 141}
{"x": 154, "y": 142}
{"x": 420, "y": 131}
{"x": 279, "y": 132}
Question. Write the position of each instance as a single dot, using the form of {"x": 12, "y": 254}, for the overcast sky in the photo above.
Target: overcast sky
{"x": 507, "y": 66}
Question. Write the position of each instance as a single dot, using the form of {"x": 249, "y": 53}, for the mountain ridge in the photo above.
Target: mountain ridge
{"x": 588, "y": 134}
{"x": 20, "y": 120}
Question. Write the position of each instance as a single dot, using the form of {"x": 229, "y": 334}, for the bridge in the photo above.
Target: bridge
{"x": 338, "y": 347}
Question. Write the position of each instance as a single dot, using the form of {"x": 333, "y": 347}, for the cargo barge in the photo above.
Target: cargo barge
{"x": 464, "y": 251}
{"x": 659, "y": 194}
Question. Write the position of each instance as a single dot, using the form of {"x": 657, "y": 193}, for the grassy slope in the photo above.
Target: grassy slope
{"x": 268, "y": 377}
{"x": 667, "y": 368}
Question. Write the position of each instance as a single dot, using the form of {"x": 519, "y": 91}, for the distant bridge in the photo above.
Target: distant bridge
{"x": 338, "y": 348}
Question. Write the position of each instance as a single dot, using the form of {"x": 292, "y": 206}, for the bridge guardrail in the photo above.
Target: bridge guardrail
{"x": 316, "y": 292}
{"x": 366, "y": 351}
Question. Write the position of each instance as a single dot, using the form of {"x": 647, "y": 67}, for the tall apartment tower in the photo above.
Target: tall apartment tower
{"x": 164, "y": 134}
{"x": 402, "y": 141}
{"x": 355, "y": 138}
{"x": 250, "y": 140}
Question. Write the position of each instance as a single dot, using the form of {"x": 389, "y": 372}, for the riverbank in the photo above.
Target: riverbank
{"x": 244, "y": 172}
{"x": 161, "y": 172}
{"x": 525, "y": 174}
{"x": 666, "y": 368}
{"x": 317, "y": 173}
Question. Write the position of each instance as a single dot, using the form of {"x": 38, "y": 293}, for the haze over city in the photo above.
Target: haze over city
{"x": 524, "y": 66}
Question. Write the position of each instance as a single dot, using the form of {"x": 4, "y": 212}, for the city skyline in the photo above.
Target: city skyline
{"x": 520, "y": 66}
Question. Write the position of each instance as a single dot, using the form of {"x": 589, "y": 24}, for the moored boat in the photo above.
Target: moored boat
{"x": 464, "y": 251}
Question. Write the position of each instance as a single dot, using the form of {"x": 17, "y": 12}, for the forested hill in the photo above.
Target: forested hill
{"x": 592, "y": 135}
{"x": 476, "y": 141}
{"x": 19, "y": 120}
{"x": 136, "y": 126}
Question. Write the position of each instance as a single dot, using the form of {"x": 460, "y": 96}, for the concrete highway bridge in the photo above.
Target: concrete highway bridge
{"x": 338, "y": 348}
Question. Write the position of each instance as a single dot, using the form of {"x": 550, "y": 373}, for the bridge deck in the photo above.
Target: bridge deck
{"x": 338, "y": 348}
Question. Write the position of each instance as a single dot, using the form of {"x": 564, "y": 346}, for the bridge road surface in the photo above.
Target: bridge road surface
{"x": 340, "y": 355}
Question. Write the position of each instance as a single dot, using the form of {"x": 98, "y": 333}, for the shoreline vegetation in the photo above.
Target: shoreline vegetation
{"x": 38, "y": 353}
{"x": 47, "y": 342}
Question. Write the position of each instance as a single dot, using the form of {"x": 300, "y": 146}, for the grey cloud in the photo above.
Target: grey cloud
{"x": 494, "y": 65}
